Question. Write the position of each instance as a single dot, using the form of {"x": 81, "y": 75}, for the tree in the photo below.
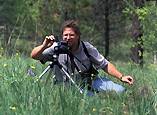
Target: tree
{"x": 136, "y": 34}
{"x": 110, "y": 25}
{"x": 143, "y": 29}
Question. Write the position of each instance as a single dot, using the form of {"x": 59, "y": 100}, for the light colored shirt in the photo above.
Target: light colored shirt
{"x": 81, "y": 60}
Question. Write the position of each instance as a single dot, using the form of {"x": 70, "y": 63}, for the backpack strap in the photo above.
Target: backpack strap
{"x": 86, "y": 52}
{"x": 85, "y": 49}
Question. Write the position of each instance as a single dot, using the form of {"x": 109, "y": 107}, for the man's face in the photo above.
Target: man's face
{"x": 70, "y": 36}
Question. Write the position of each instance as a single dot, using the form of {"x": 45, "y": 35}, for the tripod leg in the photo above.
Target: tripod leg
{"x": 52, "y": 81}
{"x": 48, "y": 67}
{"x": 48, "y": 77}
{"x": 72, "y": 80}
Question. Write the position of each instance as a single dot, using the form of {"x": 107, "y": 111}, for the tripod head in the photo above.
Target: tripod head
{"x": 62, "y": 48}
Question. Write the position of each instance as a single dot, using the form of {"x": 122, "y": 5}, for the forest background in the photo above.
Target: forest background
{"x": 121, "y": 30}
{"x": 124, "y": 31}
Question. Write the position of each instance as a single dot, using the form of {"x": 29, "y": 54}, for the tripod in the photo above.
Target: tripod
{"x": 51, "y": 65}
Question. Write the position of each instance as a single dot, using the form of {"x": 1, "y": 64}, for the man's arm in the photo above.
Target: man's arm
{"x": 37, "y": 51}
{"x": 112, "y": 70}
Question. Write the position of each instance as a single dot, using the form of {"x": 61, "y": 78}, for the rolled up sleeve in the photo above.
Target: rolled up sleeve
{"x": 97, "y": 59}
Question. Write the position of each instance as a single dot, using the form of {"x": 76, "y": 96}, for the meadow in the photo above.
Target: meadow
{"x": 18, "y": 96}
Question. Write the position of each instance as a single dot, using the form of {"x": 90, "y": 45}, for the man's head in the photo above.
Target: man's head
{"x": 71, "y": 33}
{"x": 71, "y": 24}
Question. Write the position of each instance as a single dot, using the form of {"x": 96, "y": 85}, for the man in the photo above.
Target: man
{"x": 80, "y": 60}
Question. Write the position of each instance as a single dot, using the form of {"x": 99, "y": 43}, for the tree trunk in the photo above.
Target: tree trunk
{"x": 136, "y": 34}
{"x": 106, "y": 29}
{"x": 6, "y": 38}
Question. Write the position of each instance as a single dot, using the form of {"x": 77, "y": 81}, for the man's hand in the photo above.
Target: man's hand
{"x": 112, "y": 70}
{"x": 127, "y": 79}
{"x": 37, "y": 51}
{"x": 49, "y": 40}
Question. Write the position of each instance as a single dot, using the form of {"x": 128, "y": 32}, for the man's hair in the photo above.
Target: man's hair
{"x": 71, "y": 24}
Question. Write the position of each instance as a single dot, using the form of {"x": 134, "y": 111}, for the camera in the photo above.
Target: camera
{"x": 62, "y": 48}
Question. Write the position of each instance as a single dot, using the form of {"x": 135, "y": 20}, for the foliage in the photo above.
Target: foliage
{"x": 53, "y": 13}
{"x": 149, "y": 24}
{"x": 27, "y": 22}
{"x": 17, "y": 19}
{"x": 20, "y": 96}
{"x": 146, "y": 15}
{"x": 33, "y": 20}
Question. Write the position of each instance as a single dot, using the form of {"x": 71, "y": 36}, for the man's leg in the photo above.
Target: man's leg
{"x": 104, "y": 84}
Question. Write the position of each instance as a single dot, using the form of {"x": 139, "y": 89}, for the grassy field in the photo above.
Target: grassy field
{"x": 20, "y": 97}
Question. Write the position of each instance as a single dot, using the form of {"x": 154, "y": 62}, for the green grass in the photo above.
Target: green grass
{"x": 16, "y": 90}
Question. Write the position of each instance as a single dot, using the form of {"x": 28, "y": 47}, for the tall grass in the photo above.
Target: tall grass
{"x": 19, "y": 96}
